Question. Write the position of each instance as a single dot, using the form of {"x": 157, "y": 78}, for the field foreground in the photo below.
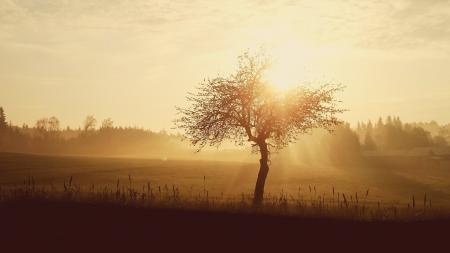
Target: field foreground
{"x": 74, "y": 226}
{"x": 84, "y": 204}
{"x": 395, "y": 181}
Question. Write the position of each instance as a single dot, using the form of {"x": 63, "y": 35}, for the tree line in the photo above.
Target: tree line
{"x": 344, "y": 145}
{"x": 392, "y": 134}
{"x": 48, "y": 137}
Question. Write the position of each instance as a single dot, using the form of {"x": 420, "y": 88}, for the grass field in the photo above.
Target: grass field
{"x": 386, "y": 184}
{"x": 132, "y": 205}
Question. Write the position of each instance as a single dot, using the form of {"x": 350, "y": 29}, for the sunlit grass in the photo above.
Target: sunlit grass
{"x": 306, "y": 202}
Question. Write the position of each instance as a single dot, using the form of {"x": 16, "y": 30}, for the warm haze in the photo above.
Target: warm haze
{"x": 211, "y": 124}
{"x": 133, "y": 61}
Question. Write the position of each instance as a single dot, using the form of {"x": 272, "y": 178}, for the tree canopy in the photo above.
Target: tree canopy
{"x": 244, "y": 107}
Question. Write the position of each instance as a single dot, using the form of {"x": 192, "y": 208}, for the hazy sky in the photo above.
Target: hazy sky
{"x": 135, "y": 60}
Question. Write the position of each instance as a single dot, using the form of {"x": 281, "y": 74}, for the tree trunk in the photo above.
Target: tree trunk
{"x": 262, "y": 175}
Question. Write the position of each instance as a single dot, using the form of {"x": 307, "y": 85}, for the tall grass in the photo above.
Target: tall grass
{"x": 309, "y": 203}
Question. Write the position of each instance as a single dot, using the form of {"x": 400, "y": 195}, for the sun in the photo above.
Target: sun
{"x": 286, "y": 69}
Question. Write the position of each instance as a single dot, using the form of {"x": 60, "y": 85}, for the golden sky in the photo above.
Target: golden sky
{"x": 135, "y": 60}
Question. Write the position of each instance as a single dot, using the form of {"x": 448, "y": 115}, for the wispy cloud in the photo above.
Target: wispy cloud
{"x": 173, "y": 43}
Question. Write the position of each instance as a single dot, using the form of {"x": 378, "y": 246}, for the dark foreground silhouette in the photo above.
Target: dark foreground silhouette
{"x": 64, "y": 226}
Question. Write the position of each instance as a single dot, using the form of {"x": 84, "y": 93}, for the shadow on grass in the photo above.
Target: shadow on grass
{"x": 85, "y": 227}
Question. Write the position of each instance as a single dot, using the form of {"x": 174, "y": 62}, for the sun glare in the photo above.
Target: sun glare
{"x": 286, "y": 69}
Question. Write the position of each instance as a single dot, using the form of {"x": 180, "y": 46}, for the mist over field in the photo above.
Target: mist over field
{"x": 393, "y": 160}
{"x": 214, "y": 124}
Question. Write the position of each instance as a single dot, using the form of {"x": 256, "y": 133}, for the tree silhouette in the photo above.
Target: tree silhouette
{"x": 53, "y": 124}
{"x": 42, "y": 127}
{"x": 107, "y": 124}
{"x": 369, "y": 143}
{"x": 89, "y": 123}
{"x": 244, "y": 108}
{"x": 3, "y": 123}
{"x": 343, "y": 145}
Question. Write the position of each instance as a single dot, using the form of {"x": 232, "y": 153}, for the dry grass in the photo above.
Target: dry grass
{"x": 307, "y": 202}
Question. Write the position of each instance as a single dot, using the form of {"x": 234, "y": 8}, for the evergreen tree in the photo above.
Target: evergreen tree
{"x": 359, "y": 128}
{"x": 398, "y": 123}
{"x": 343, "y": 145}
{"x": 389, "y": 121}
{"x": 369, "y": 143}
{"x": 363, "y": 126}
{"x": 380, "y": 123}
{"x": 370, "y": 126}
{"x": 3, "y": 123}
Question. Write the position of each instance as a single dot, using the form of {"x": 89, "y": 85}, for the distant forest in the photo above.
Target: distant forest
{"x": 344, "y": 145}
{"x": 48, "y": 137}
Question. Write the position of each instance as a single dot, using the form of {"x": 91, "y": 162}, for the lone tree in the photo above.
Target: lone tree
{"x": 89, "y": 123}
{"x": 244, "y": 108}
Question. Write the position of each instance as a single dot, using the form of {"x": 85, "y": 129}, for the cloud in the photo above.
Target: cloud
{"x": 182, "y": 25}
{"x": 150, "y": 52}
{"x": 411, "y": 24}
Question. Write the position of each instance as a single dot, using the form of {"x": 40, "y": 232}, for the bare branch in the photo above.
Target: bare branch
{"x": 241, "y": 107}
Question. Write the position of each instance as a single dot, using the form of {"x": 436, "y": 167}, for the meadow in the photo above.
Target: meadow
{"x": 377, "y": 182}
{"x": 130, "y": 204}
